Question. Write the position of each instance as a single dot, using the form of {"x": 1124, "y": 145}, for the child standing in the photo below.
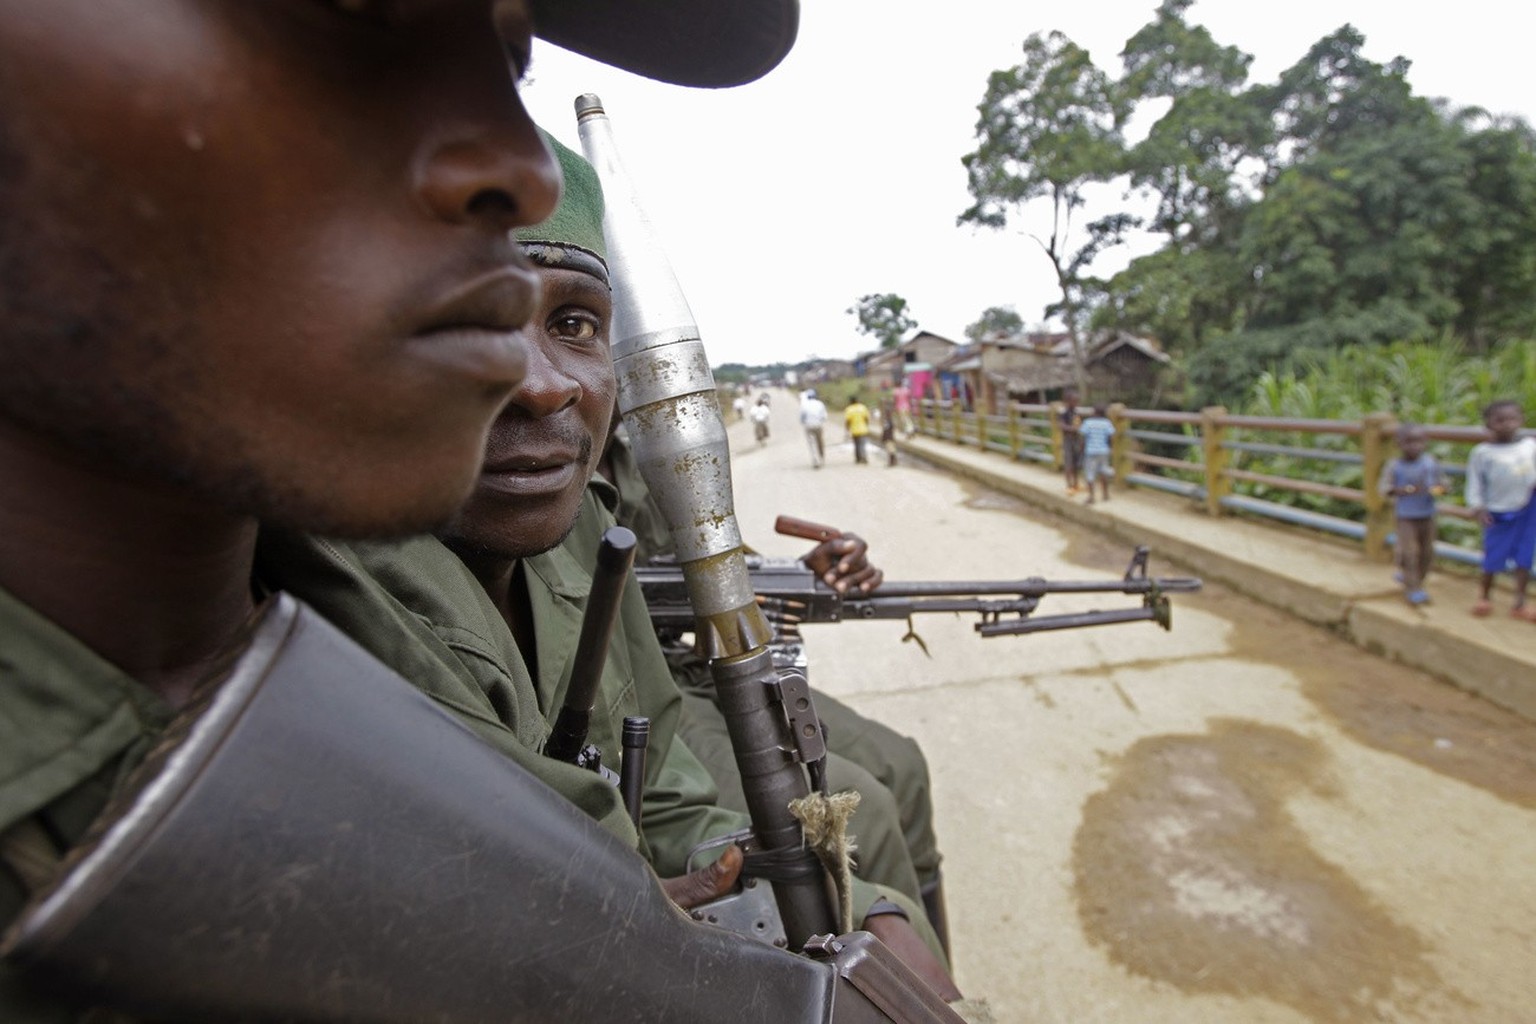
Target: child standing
{"x": 1413, "y": 480}
{"x": 1501, "y": 474}
{"x": 1071, "y": 438}
{"x": 1096, "y": 431}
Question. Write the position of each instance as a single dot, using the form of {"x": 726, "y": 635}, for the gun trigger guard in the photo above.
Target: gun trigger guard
{"x": 794, "y": 690}
{"x": 912, "y": 635}
{"x": 744, "y": 838}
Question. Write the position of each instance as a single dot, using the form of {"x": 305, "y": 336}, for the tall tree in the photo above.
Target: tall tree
{"x": 884, "y": 317}
{"x": 1497, "y": 289}
{"x": 995, "y": 320}
{"x": 1048, "y": 128}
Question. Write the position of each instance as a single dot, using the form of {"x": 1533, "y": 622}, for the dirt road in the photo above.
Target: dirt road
{"x": 1243, "y": 820}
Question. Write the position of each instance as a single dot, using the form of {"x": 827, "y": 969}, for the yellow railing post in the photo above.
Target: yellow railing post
{"x": 1013, "y": 429}
{"x": 959, "y": 411}
{"x": 1375, "y": 433}
{"x": 1056, "y": 436}
{"x": 983, "y": 427}
{"x": 1120, "y": 445}
{"x": 1212, "y": 433}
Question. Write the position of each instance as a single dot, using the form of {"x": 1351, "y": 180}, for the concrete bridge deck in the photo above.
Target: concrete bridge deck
{"x": 1318, "y": 578}
{"x": 1246, "y": 819}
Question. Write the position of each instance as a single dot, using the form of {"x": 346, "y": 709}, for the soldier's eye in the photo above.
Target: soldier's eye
{"x": 576, "y": 325}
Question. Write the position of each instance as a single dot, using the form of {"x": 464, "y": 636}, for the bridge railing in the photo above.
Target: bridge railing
{"x": 1317, "y": 474}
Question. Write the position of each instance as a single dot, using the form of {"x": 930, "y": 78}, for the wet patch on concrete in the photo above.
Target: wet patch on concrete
{"x": 1042, "y": 696}
{"x": 987, "y": 500}
{"x": 1189, "y": 871}
{"x": 1396, "y": 709}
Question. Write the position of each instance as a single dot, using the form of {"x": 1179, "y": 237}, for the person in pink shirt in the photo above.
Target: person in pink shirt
{"x": 901, "y": 402}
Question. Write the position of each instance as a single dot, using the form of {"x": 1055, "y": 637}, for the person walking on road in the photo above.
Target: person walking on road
{"x": 888, "y": 433}
{"x": 760, "y": 413}
{"x": 856, "y": 419}
{"x": 901, "y": 400}
{"x": 1413, "y": 481}
{"x": 813, "y": 417}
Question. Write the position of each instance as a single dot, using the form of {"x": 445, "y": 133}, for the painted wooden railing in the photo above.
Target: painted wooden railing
{"x": 1208, "y": 457}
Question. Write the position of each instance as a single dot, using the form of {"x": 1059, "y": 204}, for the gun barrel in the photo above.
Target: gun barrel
{"x": 637, "y": 740}
{"x": 1037, "y": 587}
{"x": 615, "y": 555}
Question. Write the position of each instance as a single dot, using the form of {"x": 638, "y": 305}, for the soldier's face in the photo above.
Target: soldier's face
{"x": 544, "y": 446}
{"x": 258, "y": 250}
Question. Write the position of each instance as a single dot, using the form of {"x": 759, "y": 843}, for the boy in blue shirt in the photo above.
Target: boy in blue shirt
{"x": 1096, "y": 431}
{"x": 1413, "y": 481}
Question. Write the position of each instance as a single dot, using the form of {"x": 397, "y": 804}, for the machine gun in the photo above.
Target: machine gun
{"x": 792, "y": 594}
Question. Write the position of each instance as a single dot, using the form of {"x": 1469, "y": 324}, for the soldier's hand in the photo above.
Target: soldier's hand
{"x": 902, "y": 939}
{"x": 707, "y": 883}
{"x": 843, "y": 564}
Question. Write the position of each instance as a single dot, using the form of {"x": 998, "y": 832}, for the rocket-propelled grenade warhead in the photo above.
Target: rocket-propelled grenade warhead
{"x": 667, "y": 399}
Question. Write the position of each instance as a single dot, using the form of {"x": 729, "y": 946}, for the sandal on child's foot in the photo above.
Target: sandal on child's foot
{"x": 1525, "y": 613}
{"x": 1417, "y": 597}
{"x": 1483, "y": 609}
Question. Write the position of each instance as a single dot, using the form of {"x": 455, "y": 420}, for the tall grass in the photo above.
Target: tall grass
{"x": 1421, "y": 383}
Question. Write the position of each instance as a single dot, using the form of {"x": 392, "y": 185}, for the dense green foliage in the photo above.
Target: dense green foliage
{"x": 1419, "y": 382}
{"x": 1330, "y": 209}
{"x": 995, "y": 320}
{"x": 883, "y": 317}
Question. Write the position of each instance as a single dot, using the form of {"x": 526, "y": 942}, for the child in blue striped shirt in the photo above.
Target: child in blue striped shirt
{"x": 1096, "y": 432}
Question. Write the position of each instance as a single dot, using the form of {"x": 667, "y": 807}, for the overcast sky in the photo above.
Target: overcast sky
{"x": 838, "y": 174}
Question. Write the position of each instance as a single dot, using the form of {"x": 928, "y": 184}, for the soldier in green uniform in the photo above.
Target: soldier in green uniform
{"x": 530, "y": 534}
{"x": 256, "y": 284}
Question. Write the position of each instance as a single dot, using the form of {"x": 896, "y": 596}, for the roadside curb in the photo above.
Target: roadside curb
{"x": 1494, "y": 659}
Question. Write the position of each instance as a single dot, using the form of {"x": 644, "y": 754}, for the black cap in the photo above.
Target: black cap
{"x": 711, "y": 43}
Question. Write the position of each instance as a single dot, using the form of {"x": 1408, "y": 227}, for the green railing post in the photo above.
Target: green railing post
{"x": 1056, "y": 436}
{"x": 1375, "y": 431}
{"x": 1212, "y": 433}
{"x": 1120, "y": 445}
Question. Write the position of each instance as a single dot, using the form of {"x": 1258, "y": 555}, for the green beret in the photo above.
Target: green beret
{"x": 712, "y": 43}
{"x": 572, "y": 238}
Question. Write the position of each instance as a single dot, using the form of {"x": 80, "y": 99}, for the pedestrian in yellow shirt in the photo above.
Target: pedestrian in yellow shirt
{"x": 856, "y": 419}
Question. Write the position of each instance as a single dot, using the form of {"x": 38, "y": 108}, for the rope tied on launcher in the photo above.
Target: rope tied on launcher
{"x": 824, "y": 819}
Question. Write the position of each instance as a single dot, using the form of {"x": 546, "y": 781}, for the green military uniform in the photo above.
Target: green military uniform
{"x": 885, "y": 767}
{"x": 680, "y": 808}
{"x": 73, "y": 726}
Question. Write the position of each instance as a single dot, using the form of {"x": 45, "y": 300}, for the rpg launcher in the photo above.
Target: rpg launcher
{"x": 792, "y": 594}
